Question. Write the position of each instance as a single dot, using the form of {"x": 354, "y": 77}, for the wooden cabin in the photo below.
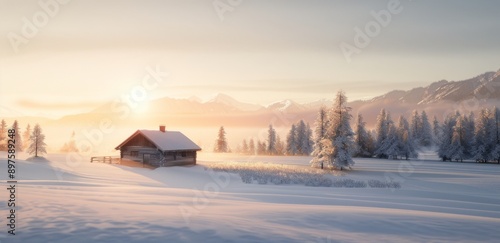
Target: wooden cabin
{"x": 159, "y": 148}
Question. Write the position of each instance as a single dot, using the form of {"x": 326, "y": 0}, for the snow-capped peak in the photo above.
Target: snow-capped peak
{"x": 286, "y": 106}
{"x": 230, "y": 101}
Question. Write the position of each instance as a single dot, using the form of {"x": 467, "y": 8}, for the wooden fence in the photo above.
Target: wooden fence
{"x": 104, "y": 159}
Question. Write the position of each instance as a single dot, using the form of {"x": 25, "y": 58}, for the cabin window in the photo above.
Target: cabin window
{"x": 134, "y": 153}
{"x": 183, "y": 154}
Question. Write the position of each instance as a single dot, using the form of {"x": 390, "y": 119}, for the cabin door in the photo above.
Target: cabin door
{"x": 145, "y": 158}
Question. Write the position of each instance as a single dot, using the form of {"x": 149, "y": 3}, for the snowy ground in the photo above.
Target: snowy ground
{"x": 83, "y": 202}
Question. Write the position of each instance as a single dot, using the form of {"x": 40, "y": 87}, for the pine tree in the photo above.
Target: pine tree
{"x": 301, "y": 136}
{"x": 426, "y": 130}
{"x": 485, "y": 144}
{"x": 244, "y": 147}
{"x": 251, "y": 147}
{"x": 496, "y": 124}
{"x": 340, "y": 134}
{"x": 271, "y": 140}
{"x": 416, "y": 126}
{"x": 26, "y": 136}
{"x": 309, "y": 143}
{"x": 447, "y": 130}
{"x": 389, "y": 147}
{"x": 363, "y": 139}
{"x": 457, "y": 149}
{"x": 291, "y": 141}
{"x": 221, "y": 142}
{"x": 406, "y": 146}
{"x": 437, "y": 131}
{"x": 37, "y": 142}
{"x": 321, "y": 124}
{"x": 468, "y": 134}
{"x": 280, "y": 146}
{"x": 495, "y": 154}
{"x": 17, "y": 137}
{"x": 261, "y": 148}
{"x": 382, "y": 131}
{"x": 387, "y": 144}
{"x": 3, "y": 136}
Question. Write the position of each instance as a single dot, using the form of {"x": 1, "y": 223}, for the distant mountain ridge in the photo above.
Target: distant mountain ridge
{"x": 484, "y": 86}
{"x": 438, "y": 99}
{"x": 230, "y": 101}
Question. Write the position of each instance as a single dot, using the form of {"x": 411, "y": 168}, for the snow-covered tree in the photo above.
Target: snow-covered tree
{"x": 70, "y": 146}
{"x": 457, "y": 149}
{"x": 251, "y": 146}
{"x": 271, "y": 140}
{"x": 37, "y": 142}
{"x": 416, "y": 126}
{"x": 496, "y": 153}
{"x": 496, "y": 124}
{"x": 244, "y": 147}
{"x": 3, "y": 135}
{"x": 323, "y": 158}
{"x": 26, "y": 135}
{"x": 426, "y": 130}
{"x": 485, "y": 144}
{"x": 17, "y": 137}
{"x": 299, "y": 139}
{"x": 468, "y": 134}
{"x": 308, "y": 144}
{"x": 301, "y": 134}
{"x": 221, "y": 142}
{"x": 381, "y": 129}
{"x": 406, "y": 146}
{"x": 280, "y": 146}
{"x": 291, "y": 141}
{"x": 447, "y": 130}
{"x": 321, "y": 124}
{"x": 261, "y": 148}
{"x": 389, "y": 146}
{"x": 437, "y": 131}
{"x": 340, "y": 134}
{"x": 363, "y": 139}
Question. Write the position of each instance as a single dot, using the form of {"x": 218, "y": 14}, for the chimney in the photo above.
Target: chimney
{"x": 162, "y": 128}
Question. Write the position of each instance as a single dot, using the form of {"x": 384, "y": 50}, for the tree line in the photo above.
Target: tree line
{"x": 464, "y": 137}
{"x": 298, "y": 142}
{"x": 31, "y": 140}
{"x": 458, "y": 137}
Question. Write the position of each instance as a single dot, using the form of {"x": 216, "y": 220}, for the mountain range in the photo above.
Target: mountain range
{"x": 437, "y": 99}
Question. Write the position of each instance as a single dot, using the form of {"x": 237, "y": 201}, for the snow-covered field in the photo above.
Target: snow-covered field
{"x": 84, "y": 202}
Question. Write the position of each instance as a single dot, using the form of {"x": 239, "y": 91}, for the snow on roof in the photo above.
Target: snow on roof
{"x": 166, "y": 141}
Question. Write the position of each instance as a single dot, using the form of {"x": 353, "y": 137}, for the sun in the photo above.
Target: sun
{"x": 141, "y": 108}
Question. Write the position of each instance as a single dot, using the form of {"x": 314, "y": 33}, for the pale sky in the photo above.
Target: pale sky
{"x": 84, "y": 52}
